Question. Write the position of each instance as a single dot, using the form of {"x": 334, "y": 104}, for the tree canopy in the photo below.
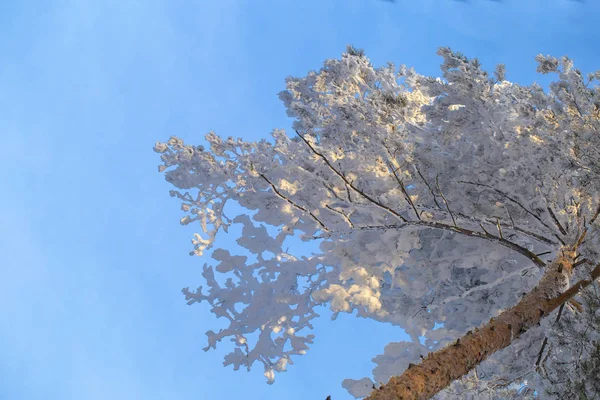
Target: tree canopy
{"x": 437, "y": 203}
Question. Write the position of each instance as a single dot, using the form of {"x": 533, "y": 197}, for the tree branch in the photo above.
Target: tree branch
{"x": 539, "y": 359}
{"x": 494, "y": 222}
{"x": 501, "y": 193}
{"x": 438, "y": 225}
{"x": 556, "y": 222}
{"x": 407, "y": 197}
{"x": 350, "y": 184}
{"x": 442, "y": 367}
{"x": 573, "y": 290}
{"x": 299, "y": 207}
{"x": 437, "y": 184}
{"x": 346, "y": 218}
{"x": 429, "y": 187}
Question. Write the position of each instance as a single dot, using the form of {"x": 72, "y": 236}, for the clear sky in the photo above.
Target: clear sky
{"x": 92, "y": 255}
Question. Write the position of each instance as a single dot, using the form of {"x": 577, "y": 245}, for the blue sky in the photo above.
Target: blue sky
{"x": 93, "y": 256}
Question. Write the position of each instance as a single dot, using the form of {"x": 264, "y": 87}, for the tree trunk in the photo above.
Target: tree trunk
{"x": 442, "y": 367}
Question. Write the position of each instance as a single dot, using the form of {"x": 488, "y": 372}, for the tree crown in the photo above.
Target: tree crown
{"x": 434, "y": 202}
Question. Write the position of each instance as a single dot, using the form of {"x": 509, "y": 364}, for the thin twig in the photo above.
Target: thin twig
{"x": 578, "y": 263}
{"x": 535, "y": 235}
{"x": 537, "y": 363}
{"x": 499, "y": 228}
{"x": 486, "y": 232}
{"x": 437, "y": 184}
{"x": 560, "y": 310}
{"x": 407, "y": 196}
{"x": 509, "y": 216}
{"x": 429, "y": 187}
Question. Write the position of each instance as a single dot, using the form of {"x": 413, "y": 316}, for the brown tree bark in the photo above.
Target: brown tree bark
{"x": 442, "y": 367}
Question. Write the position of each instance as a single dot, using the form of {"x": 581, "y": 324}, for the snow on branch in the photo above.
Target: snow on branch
{"x": 429, "y": 199}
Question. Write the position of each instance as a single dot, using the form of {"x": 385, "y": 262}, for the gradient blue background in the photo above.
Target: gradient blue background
{"x": 92, "y": 255}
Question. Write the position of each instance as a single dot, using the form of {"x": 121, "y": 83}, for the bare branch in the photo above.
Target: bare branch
{"x": 582, "y": 261}
{"x": 428, "y": 186}
{"x": 560, "y": 310}
{"x": 556, "y": 222}
{"x": 537, "y": 363}
{"x": 581, "y": 238}
{"x": 486, "y": 232}
{"x": 407, "y": 196}
{"x": 445, "y": 201}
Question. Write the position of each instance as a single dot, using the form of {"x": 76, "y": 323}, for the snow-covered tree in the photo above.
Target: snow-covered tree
{"x": 463, "y": 209}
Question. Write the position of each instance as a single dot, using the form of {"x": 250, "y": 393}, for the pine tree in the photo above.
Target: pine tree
{"x": 463, "y": 209}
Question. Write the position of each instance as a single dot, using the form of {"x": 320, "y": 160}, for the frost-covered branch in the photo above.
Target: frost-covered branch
{"x": 349, "y": 183}
{"x": 294, "y": 204}
{"x": 510, "y": 199}
{"x": 453, "y": 228}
